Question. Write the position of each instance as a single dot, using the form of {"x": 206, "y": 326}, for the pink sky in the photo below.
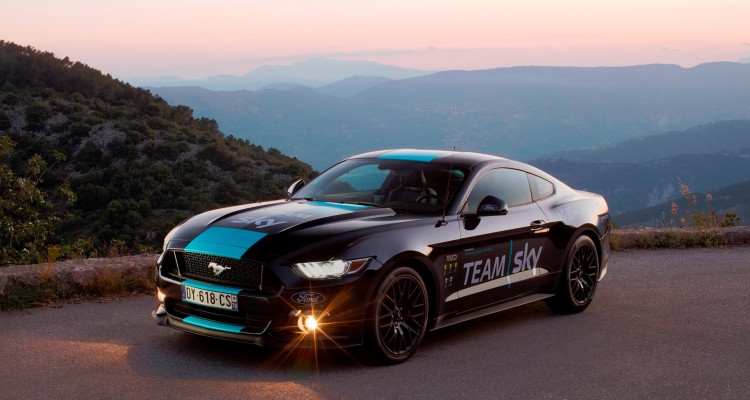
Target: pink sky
{"x": 197, "y": 38}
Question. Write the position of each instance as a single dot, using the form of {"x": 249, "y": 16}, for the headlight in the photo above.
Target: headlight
{"x": 329, "y": 269}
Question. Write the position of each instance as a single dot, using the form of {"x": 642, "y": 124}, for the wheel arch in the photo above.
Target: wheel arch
{"x": 591, "y": 232}
{"x": 421, "y": 265}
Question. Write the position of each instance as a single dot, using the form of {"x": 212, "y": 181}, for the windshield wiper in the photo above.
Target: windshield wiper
{"x": 303, "y": 198}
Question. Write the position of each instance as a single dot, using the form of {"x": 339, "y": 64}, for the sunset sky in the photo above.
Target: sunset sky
{"x": 198, "y": 38}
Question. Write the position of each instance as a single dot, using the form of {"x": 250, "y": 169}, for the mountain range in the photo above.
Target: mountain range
{"x": 633, "y": 134}
{"x": 312, "y": 72}
{"x": 522, "y": 112}
{"x": 641, "y": 177}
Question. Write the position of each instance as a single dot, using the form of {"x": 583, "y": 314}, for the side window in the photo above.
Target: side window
{"x": 510, "y": 185}
{"x": 540, "y": 188}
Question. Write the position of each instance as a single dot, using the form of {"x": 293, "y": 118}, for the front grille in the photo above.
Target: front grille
{"x": 244, "y": 273}
{"x": 179, "y": 265}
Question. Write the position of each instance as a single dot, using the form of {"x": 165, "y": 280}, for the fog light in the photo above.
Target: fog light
{"x": 311, "y": 324}
{"x": 160, "y": 296}
{"x": 307, "y": 323}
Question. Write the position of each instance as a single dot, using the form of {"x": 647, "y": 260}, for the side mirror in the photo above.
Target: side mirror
{"x": 295, "y": 187}
{"x": 491, "y": 205}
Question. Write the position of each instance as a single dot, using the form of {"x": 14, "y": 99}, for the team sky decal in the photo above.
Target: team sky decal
{"x": 479, "y": 270}
{"x": 275, "y": 218}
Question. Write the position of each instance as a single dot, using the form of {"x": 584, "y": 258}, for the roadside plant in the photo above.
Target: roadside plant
{"x": 694, "y": 217}
{"x": 28, "y": 216}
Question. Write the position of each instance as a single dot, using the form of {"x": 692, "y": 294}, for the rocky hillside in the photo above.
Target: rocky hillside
{"x": 135, "y": 165}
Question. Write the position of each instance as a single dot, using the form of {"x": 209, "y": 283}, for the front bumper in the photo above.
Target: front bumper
{"x": 268, "y": 320}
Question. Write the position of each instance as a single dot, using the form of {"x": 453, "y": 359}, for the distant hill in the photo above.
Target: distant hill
{"x": 734, "y": 198}
{"x": 312, "y": 72}
{"x": 521, "y": 112}
{"x": 646, "y": 172}
{"x": 351, "y": 86}
{"x": 730, "y": 137}
{"x": 137, "y": 165}
{"x": 632, "y": 186}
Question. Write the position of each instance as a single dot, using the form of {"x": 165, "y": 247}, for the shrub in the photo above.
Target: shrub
{"x": 37, "y": 114}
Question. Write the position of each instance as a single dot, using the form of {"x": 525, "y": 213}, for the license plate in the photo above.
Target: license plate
{"x": 210, "y": 298}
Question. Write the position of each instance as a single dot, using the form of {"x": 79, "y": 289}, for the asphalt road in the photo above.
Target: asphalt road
{"x": 664, "y": 324}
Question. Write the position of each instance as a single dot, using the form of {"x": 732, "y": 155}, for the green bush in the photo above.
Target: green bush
{"x": 37, "y": 114}
{"x": 5, "y": 122}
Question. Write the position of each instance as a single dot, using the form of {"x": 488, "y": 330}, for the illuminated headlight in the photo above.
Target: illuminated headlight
{"x": 329, "y": 269}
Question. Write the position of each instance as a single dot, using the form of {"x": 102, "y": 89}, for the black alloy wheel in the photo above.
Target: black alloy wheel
{"x": 400, "y": 316}
{"x": 579, "y": 278}
{"x": 584, "y": 269}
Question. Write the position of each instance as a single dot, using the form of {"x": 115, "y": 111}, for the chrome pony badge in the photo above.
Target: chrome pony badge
{"x": 216, "y": 268}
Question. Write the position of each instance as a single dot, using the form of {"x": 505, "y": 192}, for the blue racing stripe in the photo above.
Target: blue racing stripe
{"x": 510, "y": 256}
{"x": 227, "y": 242}
{"x": 414, "y": 155}
{"x": 217, "y": 326}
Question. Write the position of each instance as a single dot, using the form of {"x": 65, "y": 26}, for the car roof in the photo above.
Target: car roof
{"x": 445, "y": 157}
{"x": 464, "y": 159}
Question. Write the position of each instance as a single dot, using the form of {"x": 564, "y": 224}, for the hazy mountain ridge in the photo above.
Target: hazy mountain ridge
{"x": 731, "y": 137}
{"x": 520, "y": 112}
{"x": 631, "y": 186}
{"x": 351, "y": 86}
{"x": 312, "y": 72}
{"x": 639, "y": 176}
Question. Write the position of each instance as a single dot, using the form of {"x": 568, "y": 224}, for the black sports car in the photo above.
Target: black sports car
{"x": 382, "y": 247}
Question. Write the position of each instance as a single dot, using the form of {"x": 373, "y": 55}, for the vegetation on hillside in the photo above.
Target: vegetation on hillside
{"x": 726, "y": 206}
{"x": 110, "y": 167}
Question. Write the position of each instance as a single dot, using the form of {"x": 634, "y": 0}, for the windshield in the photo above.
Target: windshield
{"x": 399, "y": 184}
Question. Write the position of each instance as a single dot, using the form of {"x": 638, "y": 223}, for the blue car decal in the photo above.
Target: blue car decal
{"x": 226, "y": 242}
{"x": 414, "y": 155}
{"x": 218, "y": 326}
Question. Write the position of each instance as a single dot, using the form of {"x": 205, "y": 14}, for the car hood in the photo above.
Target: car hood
{"x": 264, "y": 230}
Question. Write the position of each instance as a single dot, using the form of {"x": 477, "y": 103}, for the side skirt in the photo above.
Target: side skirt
{"x": 444, "y": 321}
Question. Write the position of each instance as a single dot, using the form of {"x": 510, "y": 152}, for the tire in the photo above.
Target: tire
{"x": 398, "y": 317}
{"x": 578, "y": 279}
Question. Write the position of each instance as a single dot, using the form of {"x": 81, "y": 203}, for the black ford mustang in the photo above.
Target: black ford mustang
{"x": 381, "y": 248}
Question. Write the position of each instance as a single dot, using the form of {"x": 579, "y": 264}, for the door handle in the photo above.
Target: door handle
{"x": 537, "y": 225}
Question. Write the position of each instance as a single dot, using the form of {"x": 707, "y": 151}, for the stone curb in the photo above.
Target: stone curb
{"x": 79, "y": 273}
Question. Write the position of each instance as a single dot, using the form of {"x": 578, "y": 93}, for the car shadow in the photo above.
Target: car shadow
{"x": 179, "y": 355}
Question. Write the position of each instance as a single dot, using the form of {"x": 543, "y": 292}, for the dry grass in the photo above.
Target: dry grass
{"x": 679, "y": 238}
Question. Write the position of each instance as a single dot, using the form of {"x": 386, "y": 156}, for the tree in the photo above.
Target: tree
{"x": 27, "y": 216}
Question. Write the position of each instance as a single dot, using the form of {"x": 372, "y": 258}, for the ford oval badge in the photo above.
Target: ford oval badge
{"x": 308, "y": 298}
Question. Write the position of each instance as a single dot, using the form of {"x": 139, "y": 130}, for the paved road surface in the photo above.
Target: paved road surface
{"x": 664, "y": 324}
